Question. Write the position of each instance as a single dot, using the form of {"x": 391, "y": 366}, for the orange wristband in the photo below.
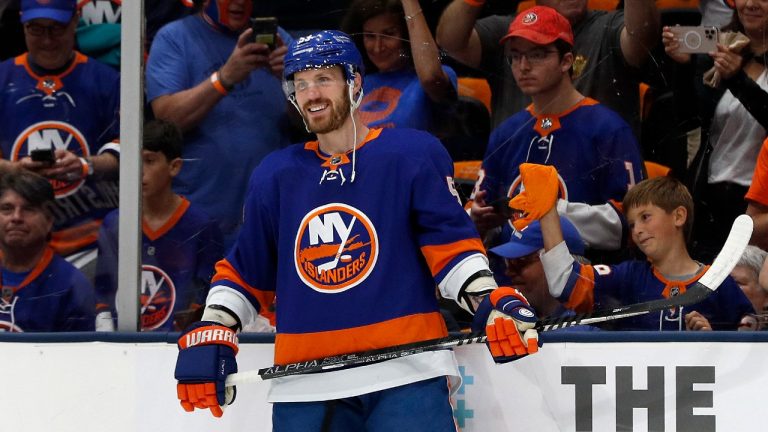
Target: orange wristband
{"x": 475, "y": 3}
{"x": 217, "y": 85}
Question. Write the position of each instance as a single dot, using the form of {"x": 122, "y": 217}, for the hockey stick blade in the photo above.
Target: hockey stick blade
{"x": 725, "y": 262}
{"x": 345, "y": 361}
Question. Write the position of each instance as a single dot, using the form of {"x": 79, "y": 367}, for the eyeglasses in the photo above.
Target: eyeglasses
{"x": 534, "y": 56}
{"x": 517, "y": 264}
{"x": 319, "y": 82}
{"x": 53, "y": 31}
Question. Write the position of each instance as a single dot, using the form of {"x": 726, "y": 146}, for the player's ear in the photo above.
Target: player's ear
{"x": 358, "y": 83}
{"x": 175, "y": 166}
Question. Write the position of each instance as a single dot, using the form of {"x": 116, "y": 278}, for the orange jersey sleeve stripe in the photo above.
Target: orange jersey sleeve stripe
{"x": 69, "y": 240}
{"x": 582, "y": 298}
{"x": 292, "y": 347}
{"x": 225, "y": 271}
{"x": 439, "y": 256}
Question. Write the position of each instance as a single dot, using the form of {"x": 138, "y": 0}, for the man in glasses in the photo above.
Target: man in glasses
{"x": 610, "y": 50}
{"x": 63, "y": 124}
{"x": 592, "y": 148}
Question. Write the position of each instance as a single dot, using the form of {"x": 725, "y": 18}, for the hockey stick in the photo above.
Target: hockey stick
{"x": 709, "y": 282}
{"x": 332, "y": 264}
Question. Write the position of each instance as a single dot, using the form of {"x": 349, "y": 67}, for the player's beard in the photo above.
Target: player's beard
{"x": 339, "y": 113}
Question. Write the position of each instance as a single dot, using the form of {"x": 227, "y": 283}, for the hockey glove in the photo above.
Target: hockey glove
{"x": 206, "y": 356}
{"x": 508, "y": 320}
{"x": 539, "y": 194}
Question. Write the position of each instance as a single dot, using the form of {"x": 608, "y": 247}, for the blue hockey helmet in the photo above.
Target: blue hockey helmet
{"x": 319, "y": 50}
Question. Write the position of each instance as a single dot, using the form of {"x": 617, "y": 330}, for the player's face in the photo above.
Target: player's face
{"x": 753, "y": 14}
{"x": 22, "y": 225}
{"x": 527, "y": 275}
{"x": 573, "y": 10}
{"x": 536, "y": 68}
{"x": 748, "y": 281}
{"x": 157, "y": 172}
{"x": 322, "y": 96}
{"x": 654, "y": 230}
{"x": 50, "y": 43}
{"x": 383, "y": 40}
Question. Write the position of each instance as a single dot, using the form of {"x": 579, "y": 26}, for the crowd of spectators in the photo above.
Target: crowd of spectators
{"x": 572, "y": 96}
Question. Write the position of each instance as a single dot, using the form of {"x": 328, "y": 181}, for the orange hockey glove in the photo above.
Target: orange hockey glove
{"x": 539, "y": 194}
{"x": 508, "y": 320}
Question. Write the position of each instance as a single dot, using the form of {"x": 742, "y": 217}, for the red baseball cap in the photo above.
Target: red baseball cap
{"x": 541, "y": 25}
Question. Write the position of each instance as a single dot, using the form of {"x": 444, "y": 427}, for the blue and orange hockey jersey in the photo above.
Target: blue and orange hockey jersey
{"x": 76, "y": 110}
{"x": 594, "y": 151}
{"x": 630, "y": 282}
{"x": 53, "y": 296}
{"x": 177, "y": 264}
{"x": 352, "y": 255}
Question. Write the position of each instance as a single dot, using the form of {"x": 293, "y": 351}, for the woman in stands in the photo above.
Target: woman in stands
{"x": 405, "y": 84}
{"x": 733, "y": 117}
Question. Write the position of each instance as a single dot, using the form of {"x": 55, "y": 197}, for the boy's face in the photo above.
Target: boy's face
{"x": 157, "y": 172}
{"x": 654, "y": 230}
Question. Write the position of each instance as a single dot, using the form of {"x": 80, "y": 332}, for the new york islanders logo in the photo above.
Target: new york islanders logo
{"x": 336, "y": 248}
{"x": 158, "y": 297}
{"x": 56, "y": 135}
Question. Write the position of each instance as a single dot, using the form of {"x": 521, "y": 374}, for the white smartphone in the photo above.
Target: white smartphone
{"x": 696, "y": 39}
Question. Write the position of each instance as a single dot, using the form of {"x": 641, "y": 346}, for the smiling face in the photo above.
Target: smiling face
{"x": 753, "y": 15}
{"x": 383, "y": 41}
{"x": 654, "y": 230}
{"x": 22, "y": 225}
{"x": 50, "y": 43}
{"x": 322, "y": 96}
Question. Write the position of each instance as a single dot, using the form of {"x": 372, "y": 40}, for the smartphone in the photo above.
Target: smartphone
{"x": 43, "y": 155}
{"x": 501, "y": 206}
{"x": 265, "y": 31}
{"x": 696, "y": 39}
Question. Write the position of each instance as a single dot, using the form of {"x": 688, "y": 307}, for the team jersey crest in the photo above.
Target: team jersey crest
{"x": 336, "y": 248}
{"x": 7, "y": 319}
{"x": 56, "y": 135}
{"x": 158, "y": 297}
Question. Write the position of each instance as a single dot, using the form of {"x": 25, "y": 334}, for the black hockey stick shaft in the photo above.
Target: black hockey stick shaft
{"x": 707, "y": 284}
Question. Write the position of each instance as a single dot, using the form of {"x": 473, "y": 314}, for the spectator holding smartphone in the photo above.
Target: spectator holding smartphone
{"x": 733, "y": 119}
{"x": 206, "y": 75}
{"x": 58, "y": 99}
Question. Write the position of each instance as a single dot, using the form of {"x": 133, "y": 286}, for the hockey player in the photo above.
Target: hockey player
{"x": 350, "y": 233}
{"x": 593, "y": 149}
{"x": 660, "y": 213}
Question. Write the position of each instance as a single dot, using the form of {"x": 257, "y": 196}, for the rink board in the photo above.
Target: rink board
{"x": 605, "y": 382}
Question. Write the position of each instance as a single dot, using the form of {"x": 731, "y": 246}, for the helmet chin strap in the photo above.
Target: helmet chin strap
{"x": 292, "y": 99}
{"x": 353, "y": 104}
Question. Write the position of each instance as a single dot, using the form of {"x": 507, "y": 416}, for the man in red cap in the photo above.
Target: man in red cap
{"x": 611, "y": 49}
{"x": 591, "y": 146}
